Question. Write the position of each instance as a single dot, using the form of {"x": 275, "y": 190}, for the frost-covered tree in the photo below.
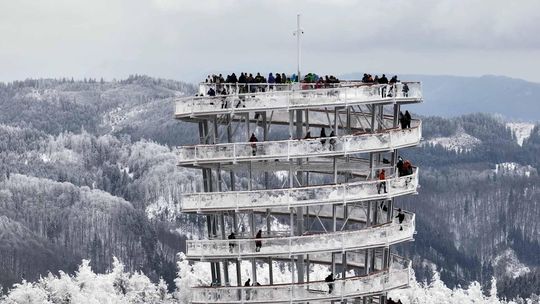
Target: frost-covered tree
{"x": 116, "y": 286}
{"x": 186, "y": 278}
{"x": 437, "y": 292}
{"x": 27, "y": 293}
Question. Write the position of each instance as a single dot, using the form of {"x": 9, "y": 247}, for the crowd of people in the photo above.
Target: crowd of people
{"x": 277, "y": 78}
{"x": 248, "y": 83}
{"x": 246, "y": 78}
{"x": 367, "y": 78}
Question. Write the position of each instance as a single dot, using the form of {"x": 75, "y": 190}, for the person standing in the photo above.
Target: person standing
{"x": 258, "y": 242}
{"x": 330, "y": 280}
{"x": 253, "y": 140}
{"x": 382, "y": 182}
{"x": 383, "y": 80}
{"x": 322, "y": 136}
{"x": 401, "y": 218}
{"x": 231, "y": 236}
{"x": 405, "y": 90}
{"x": 248, "y": 291}
{"x": 408, "y": 119}
{"x": 332, "y": 141}
{"x": 271, "y": 78}
{"x": 399, "y": 166}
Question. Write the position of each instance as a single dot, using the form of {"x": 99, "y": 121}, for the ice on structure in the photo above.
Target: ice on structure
{"x": 349, "y": 144}
{"x": 346, "y": 93}
{"x": 397, "y": 276}
{"x": 382, "y": 235}
{"x": 305, "y": 196}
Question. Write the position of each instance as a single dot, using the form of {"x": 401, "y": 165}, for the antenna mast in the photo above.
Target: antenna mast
{"x": 298, "y": 34}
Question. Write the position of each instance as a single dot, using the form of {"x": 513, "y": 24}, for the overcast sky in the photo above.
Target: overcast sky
{"x": 185, "y": 40}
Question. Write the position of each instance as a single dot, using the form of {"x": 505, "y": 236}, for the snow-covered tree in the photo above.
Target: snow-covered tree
{"x": 186, "y": 279}
{"x": 116, "y": 286}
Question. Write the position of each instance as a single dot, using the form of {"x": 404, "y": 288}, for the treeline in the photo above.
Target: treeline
{"x": 83, "y": 196}
{"x": 139, "y": 106}
{"x": 468, "y": 213}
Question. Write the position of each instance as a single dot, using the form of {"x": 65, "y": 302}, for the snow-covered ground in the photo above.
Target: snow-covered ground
{"x": 511, "y": 168}
{"x": 459, "y": 142}
{"x": 521, "y": 130}
{"x": 509, "y": 265}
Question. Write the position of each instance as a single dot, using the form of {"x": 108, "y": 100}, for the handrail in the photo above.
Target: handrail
{"x": 274, "y": 246}
{"x": 395, "y": 276}
{"x": 288, "y": 197}
{"x": 292, "y": 86}
{"x": 416, "y": 123}
{"x": 273, "y": 99}
{"x": 346, "y": 144}
{"x": 395, "y": 257}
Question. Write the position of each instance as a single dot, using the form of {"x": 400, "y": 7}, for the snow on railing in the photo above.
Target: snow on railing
{"x": 397, "y": 276}
{"x": 377, "y": 236}
{"x": 388, "y": 139}
{"x": 296, "y": 197}
{"x": 343, "y": 95}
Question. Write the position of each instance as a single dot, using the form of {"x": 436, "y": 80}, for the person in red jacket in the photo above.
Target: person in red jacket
{"x": 382, "y": 184}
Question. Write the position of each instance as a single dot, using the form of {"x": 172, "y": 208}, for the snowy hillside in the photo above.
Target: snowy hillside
{"x": 508, "y": 264}
{"x": 75, "y": 185}
{"x": 513, "y": 168}
{"x": 458, "y": 142}
{"x": 521, "y": 130}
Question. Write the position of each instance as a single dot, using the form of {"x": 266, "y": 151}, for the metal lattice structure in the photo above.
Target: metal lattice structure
{"x": 315, "y": 201}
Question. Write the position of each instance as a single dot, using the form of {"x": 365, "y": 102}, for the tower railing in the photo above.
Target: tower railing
{"x": 382, "y": 235}
{"x": 396, "y": 276}
{"x": 385, "y": 140}
{"x": 340, "y": 96}
{"x": 303, "y": 196}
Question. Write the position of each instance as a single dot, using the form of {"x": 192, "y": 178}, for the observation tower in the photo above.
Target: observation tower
{"x": 294, "y": 202}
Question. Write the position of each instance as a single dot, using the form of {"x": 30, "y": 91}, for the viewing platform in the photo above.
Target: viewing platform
{"x": 298, "y": 184}
{"x": 397, "y": 275}
{"x": 296, "y": 197}
{"x": 262, "y": 97}
{"x": 385, "y": 140}
{"x": 382, "y": 235}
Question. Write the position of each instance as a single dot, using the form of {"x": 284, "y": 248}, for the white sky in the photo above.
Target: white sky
{"x": 185, "y": 40}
